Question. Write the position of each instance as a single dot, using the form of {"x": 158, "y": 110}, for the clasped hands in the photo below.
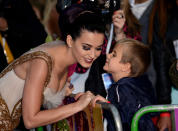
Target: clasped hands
{"x": 89, "y": 97}
{"x": 83, "y": 98}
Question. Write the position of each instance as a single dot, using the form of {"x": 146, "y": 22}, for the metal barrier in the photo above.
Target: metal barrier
{"x": 109, "y": 107}
{"x": 115, "y": 114}
{"x": 149, "y": 109}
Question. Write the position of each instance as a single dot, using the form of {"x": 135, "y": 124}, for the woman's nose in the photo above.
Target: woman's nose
{"x": 92, "y": 53}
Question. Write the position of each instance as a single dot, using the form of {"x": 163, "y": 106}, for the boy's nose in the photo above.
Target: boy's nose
{"x": 108, "y": 56}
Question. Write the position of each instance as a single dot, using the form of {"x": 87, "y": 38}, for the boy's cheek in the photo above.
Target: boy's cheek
{"x": 104, "y": 67}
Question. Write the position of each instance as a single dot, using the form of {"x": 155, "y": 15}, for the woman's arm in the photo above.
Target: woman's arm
{"x": 32, "y": 99}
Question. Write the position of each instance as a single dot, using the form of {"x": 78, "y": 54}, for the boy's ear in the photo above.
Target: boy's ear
{"x": 126, "y": 68}
{"x": 69, "y": 41}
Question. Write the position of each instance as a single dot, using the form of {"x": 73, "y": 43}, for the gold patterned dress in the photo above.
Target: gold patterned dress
{"x": 11, "y": 88}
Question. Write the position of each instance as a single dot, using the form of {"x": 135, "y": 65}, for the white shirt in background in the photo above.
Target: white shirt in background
{"x": 78, "y": 81}
{"x": 139, "y": 9}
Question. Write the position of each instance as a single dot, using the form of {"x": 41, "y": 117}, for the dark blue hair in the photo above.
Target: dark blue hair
{"x": 78, "y": 17}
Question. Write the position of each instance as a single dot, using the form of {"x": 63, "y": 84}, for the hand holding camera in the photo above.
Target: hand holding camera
{"x": 119, "y": 21}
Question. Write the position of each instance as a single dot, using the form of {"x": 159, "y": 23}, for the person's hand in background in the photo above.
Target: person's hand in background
{"x": 164, "y": 123}
{"x": 3, "y": 24}
{"x": 118, "y": 19}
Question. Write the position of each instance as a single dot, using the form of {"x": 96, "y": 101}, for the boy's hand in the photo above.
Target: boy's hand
{"x": 98, "y": 98}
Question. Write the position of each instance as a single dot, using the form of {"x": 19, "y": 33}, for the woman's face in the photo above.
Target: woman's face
{"x": 87, "y": 47}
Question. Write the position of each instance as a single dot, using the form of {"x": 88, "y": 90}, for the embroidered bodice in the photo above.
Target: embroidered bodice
{"x": 11, "y": 88}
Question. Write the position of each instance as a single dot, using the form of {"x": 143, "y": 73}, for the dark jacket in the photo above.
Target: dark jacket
{"x": 129, "y": 95}
{"x": 163, "y": 56}
{"x": 94, "y": 82}
{"x": 144, "y": 23}
{"x": 24, "y": 28}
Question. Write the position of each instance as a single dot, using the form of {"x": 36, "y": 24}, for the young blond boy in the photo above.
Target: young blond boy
{"x": 131, "y": 89}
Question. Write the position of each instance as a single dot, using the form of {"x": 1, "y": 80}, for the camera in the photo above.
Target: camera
{"x": 104, "y": 7}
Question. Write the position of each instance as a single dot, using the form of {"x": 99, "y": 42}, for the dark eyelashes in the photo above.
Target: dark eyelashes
{"x": 88, "y": 48}
{"x": 100, "y": 48}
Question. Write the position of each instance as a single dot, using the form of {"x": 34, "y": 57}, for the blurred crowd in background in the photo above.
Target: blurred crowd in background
{"x": 25, "y": 24}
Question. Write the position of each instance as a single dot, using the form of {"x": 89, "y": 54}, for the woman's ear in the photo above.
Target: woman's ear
{"x": 69, "y": 41}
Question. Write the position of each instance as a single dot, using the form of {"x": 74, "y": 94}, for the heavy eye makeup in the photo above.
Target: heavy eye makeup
{"x": 88, "y": 47}
{"x": 99, "y": 48}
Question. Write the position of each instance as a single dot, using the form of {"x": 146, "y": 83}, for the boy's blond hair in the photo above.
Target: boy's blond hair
{"x": 137, "y": 54}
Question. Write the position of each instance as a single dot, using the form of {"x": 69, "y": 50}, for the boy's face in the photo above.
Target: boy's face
{"x": 113, "y": 64}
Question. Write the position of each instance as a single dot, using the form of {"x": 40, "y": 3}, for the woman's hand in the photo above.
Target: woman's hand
{"x": 119, "y": 21}
{"x": 84, "y": 99}
{"x": 98, "y": 98}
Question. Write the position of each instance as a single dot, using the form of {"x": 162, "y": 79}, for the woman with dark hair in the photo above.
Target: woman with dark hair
{"x": 67, "y": 16}
{"x": 40, "y": 76}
